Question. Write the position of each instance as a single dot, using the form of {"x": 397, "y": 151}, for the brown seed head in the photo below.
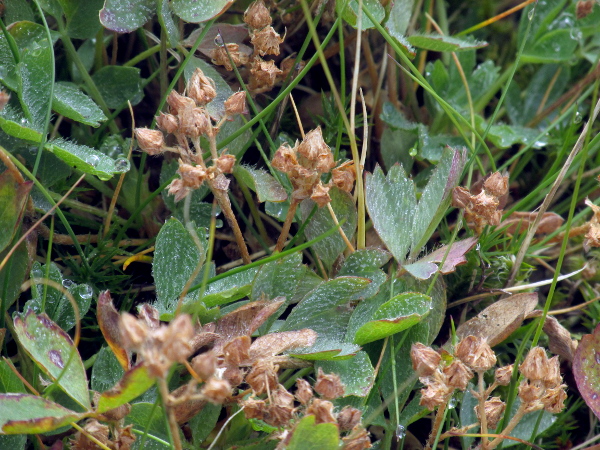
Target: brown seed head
{"x": 282, "y": 397}
{"x": 116, "y": 414}
{"x": 475, "y": 353}
{"x": 458, "y": 375}
{"x": 344, "y": 176}
{"x": 425, "y": 360}
{"x": 304, "y": 392}
{"x": 554, "y": 399}
{"x": 201, "y": 88}
{"x": 216, "y": 391}
{"x": 503, "y": 375}
{"x": 263, "y": 75}
{"x": 535, "y": 364}
{"x": 461, "y": 197}
{"x": 178, "y": 189}
{"x": 348, "y": 418}
{"x": 496, "y": 185}
{"x": 531, "y": 391}
{"x": 236, "y": 104}
{"x": 194, "y": 122}
{"x": 285, "y": 159}
{"x": 225, "y": 163}
{"x": 551, "y": 374}
{"x": 178, "y": 102}
{"x": 320, "y": 194}
{"x": 329, "y": 385}
{"x": 254, "y": 408}
{"x": 584, "y": 8}
{"x": 178, "y": 336}
{"x": 494, "y": 409}
{"x": 257, "y": 15}
{"x": 150, "y": 141}
{"x": 192, "y": 176}
{"x": 133, "y": 332}
{"x": 236, "y": 350}
{"x": 435, "y": 394}
{"x": 149, "y": 315}
{"x": 316, "y": 151}
{"x": 357, "y": 440}
{"x": 263, "y": 377}
{"x": 224, "y": 55}
{"x": 266, "y": 41}
{"x": 205, "y": 364}
{"x": 322, "y": 410}
{"x": 167, "y": 122}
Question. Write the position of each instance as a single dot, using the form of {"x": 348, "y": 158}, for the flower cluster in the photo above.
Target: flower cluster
{"x": 483, "y": 203}
{"x": 306, "y": 162}
{"x": 187, "y": 120}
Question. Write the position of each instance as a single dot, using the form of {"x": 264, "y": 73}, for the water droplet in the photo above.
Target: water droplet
{"x": 578, "y": 117}
{"x": 122, "y": 165}
{"x": 85, "y": 291}
{"x": 400, "y": 431}
{"x": 36, "y": 49}
{"x": 67, "y": 283}
{"x": 452, "y": 403}
{"x": 92, "y": 160}
{"x": 219, "y": 40}
{"x": 530, "y": 14}
{"x": 23, "y": 121}
{"x": 413, "y": 152}
{"x": 37, "y": 273}
{"x": 576, "y": 34}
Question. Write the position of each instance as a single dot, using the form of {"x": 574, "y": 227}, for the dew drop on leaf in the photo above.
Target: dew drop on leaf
{"x": 86, "y": 291}
{"x": 67, "y": 283}
{"x": 122, "y": 165}
{"x": 400, "y": 431}
{"x": 92, "y": 160}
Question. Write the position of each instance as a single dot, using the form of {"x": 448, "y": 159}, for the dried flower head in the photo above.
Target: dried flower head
{"x": 285, "y": 159}
{"x": 458, "y": 375}
{"x": 535, "y": 364}
{"x": 194, "y": 122}
{"x": 554, "y": 399}
{"x": 167, "y": 122}
{"x": 257, "y": 15}
{"x": 178, "y": 102}
{"x": 344, "y": 176}
{"x": 205, "y": 364}
{"x": 496, "y": 184}
{"x": 216, "y": 391}
{"x": 266, "y": 41}
{"x": 530, "y": 392}
{"x": 201, "y": 88}
{"x": 475, "y": 353}
{"x": 317, "y": 153}
{"x": 494, "y": 409}
{"x": 436, "y": 393}
{"x": 503, "y": 375}
{"x": 584, "y": 8}
{"x": 329, "y": 385}
{"x": 236, "y": 104}
{"x": 94, "y": 428}
{"x": 304, "y": 392}
{"x": 320, "y": 194}
{"x": 263, "y": 75}
{"x": 348, "y": 418}
{"x": 178, "y": 189}
{"x": 150, "y": 141}
{"x": 192, "y": 176}
{"x": 322, "y": 410}
{"x": 224, "y": 55}
{"x": 254, "y": 408}
{"x": 225, "y": 163}
{"x": 357, "y": 440}
{"x": 425, "y": 360}
{"x": 263, "y": 377}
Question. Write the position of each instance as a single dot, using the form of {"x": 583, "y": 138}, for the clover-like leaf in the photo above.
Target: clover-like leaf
{"x": 586, "y": 369}
{"x": 134, "y": 383}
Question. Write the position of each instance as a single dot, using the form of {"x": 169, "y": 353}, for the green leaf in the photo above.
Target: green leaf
{"x": 343, "y": 205}
{"x": 117, "y": 84}
{"x": 374, "y": 7}
{"x": 19, "y": 128}
{"x": 401, "y": 312}
{"x": 203, "y": 423}
{"x": 440, "y": 43}
{"x": 17, "y": 10}
{"x": 399, "y": 17}
{"x": 70, "y": 102}
{"x": 227, "y": 290}
{"x": 84, "y": 158}
{"x": 357, "y": 373}
{"x": 435, "y": 198}
{"x": 9, "y": 381}
{"x": 29, "y": 414}
{"x": 587, "y": 371}
{"x": 13, "y": 196}
{"x": 175, "y": 259}
{"x": 125, "y": 16}
{"x": 14, "y": 442}
{"x": 148, "y": 416}
{"x": 53, "y": 351}
{"x": 267, "y": 188}
{"x": 309, "y": 436}
{"x": 278, "y": 278}
{"x": 554, "y": 46}
{"x": 13, "y": 274}
{"x": 106, "y": 371}
{"x": 325, "y": 350}
{"x": 82, "y": 17}
{"x": 134, "y": 383}
{"x": 391, "y": 202}
{"x": 197, "y": 11}
{"x": 364, "y": 261}
{"x": 530, "y": 426}
{"x": 168, "y": 23}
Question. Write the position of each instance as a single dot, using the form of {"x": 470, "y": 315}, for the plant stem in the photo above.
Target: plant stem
{"x": 511, "y": 425}
{"x": 481, "y": 407}
{"x": 437, "y": 423}
{"x": 164, "y": 393}
{"x": 286, "y": 225}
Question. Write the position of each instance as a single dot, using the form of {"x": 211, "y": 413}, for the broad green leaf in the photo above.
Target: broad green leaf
{"x": 545, "y": 14}
{"x": 13, "y": 274}
{"x": 227, "y": 290}
{"x": 278, "y": 278}
{"x": 168, "y": 23}
{"x": 13, "y": 441}
{"x": 203, "y": 423}
{"x": 106, "y": 371}
{"x": 84, "y": 158}
{"x": 440, "y": 43}
{"x": 399, "y": 18}
{"x": 13, "y": 196}
{"x": 530, "y": 426}
{"x": 197, "y": 11}
{"x": 267, "y": 188}
{"x": 117, "y": 84}
{"x": 17, "y": 10}
{"x": 357, "y": 373}
{"x": 587, "y": 370}
{"x": 364, "y": 261}
{"x": 505, "y": 136}
{"x": 30, "y": 414}
{"x": 125, "y": 16}
{"x": 9, "y": 381}
{"x": 309, "y": 436}
{"x": 325, "y": 350}
{"x": 401, "y": 312}
{"x": 175, "y": 259}
{"x": 134, "y": 383}
{"x": 467, "y": 412}
{"x": 216, "y": 108}
{"x": 554, "y": 46}
{"x": 53, "y": 351}
{"x": 435, "y": 198}
{"x": 19, "y": 128}
{"x": 391, "y": 202}
{"x": 351, "y": 11}
{"x": 51, "y": 170}
{"x": 70, "y": 102}
{"x": 82, "y": 17}
{"x": 330, "y": 248}
{"x": 148, "y": 416}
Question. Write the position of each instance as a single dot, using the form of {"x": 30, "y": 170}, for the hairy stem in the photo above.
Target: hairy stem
{"x": 511, "y": 425}
{"x": 286, "y": 225}
{"x": 164, "y": 393}
{"x": 437, "y": 423}
{"x": 481, "y": 407}
{"x": 225, "y": 205}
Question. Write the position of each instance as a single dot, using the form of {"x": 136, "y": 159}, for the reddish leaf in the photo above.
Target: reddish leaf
{"x": 586, "y": 369}
{"x": 425, "y": 267}
{"x": 559, "y": 338}
{"x": 496, "y": 322}
{"x": 13, "y": 196}
{"x": 108, "y": 320}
